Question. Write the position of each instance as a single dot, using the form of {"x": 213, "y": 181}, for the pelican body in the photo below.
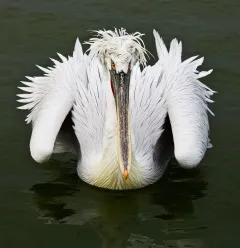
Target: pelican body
{"x": 123, "y": 120}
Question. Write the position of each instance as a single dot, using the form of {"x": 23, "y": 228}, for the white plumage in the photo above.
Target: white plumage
{"x": 81, "y": 87}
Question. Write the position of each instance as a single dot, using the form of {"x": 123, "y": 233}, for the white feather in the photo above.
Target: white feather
{"x": 49, "y": 100}
{"x": 148, "y": 112}
{"x": 89, "y": 111}
{"x": 186, "y": 101}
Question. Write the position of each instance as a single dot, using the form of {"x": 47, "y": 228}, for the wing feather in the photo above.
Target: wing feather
{"x": 49, "y": 99}
{"x": 89, "y": 111}
{"x": 148, "y": 112}
{"x": 186, "y": 102}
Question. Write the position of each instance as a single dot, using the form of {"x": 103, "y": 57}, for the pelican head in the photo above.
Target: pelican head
{"x": 117, "y": 49}
{"x": 118, "y": 52}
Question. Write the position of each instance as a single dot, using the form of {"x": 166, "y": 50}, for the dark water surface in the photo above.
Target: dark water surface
{"x": 47, "y": 205}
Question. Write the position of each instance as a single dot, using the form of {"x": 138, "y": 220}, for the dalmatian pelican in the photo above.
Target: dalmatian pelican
{"x": 123, "y": 119}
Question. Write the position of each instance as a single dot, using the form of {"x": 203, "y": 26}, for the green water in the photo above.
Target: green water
{"x": 47, "y": 205}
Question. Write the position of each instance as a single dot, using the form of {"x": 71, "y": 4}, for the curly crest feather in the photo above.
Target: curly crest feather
{"x": 118, "y": 46}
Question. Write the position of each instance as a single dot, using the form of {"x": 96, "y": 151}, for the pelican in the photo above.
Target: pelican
{"x": 123, "y": 119}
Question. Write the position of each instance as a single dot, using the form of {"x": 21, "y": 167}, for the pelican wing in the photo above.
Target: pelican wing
{"x": 170, "y": 88}
{"x": 148, "y": 111}
{"x": 186, "y": 100}
{"x": 49, "y": 99}
{"x": 89, "y": 111}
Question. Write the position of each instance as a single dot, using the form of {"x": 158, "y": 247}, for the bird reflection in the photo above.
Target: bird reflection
{"x": 114, "y": 214}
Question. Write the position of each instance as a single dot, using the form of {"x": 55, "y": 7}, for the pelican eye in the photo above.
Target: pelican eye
{"x": 113, "y": 66}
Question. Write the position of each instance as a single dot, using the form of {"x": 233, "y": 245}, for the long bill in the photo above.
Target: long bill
{"x": 121, "y": 84}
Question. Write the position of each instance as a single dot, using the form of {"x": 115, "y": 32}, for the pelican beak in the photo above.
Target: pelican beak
{"x": 121, "y": 84}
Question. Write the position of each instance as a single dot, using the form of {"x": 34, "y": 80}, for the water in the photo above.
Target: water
{"x": 47, "y": 205}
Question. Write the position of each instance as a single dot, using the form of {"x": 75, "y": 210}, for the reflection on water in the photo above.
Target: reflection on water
{"x": 66, "y": 199}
